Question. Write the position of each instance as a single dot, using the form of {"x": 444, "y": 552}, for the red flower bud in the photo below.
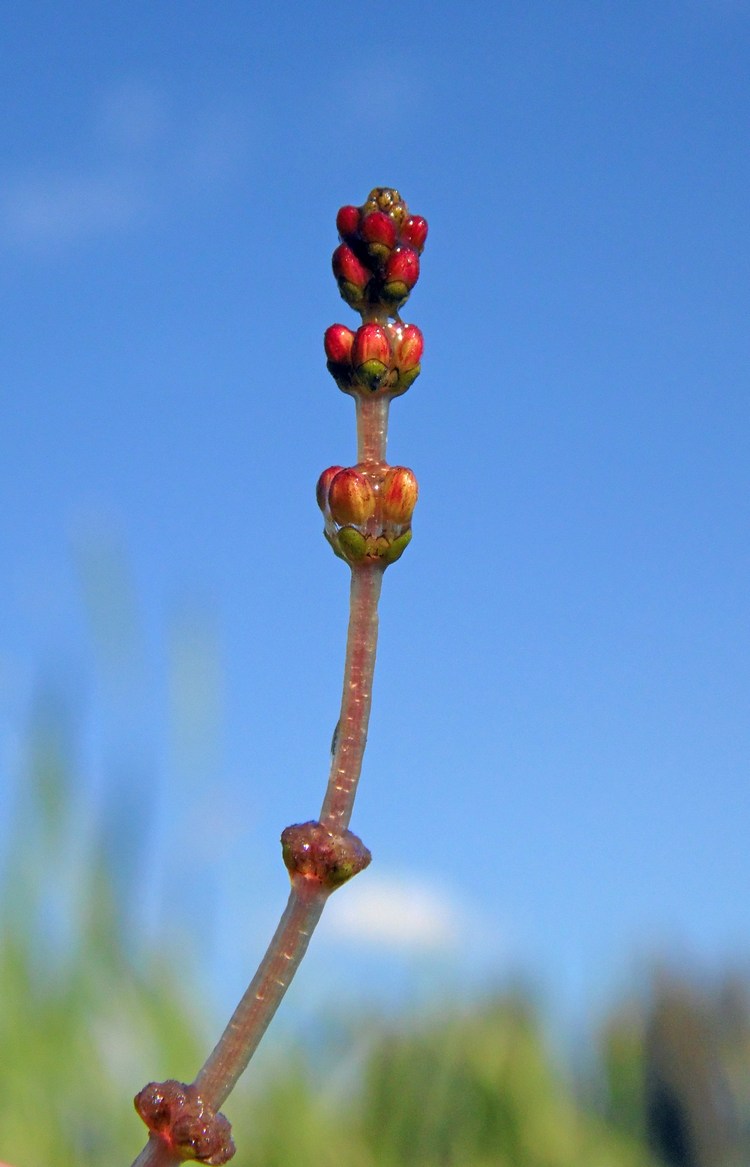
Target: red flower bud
{"x": 403, "y": 266}
{"x": 347, "y": 222}
{"x": 338, "y": 341}
{"x": 371, "y": 355}
{"x": 398, "y": 495}
{"x": 353, "y": 277}
{"x": 324, "y": 482}
{"x": 414, "y": 232}
{"x": 409, "y": 348}
{"x": 401, "y": 274}
{"x": 378, "y": 231}
{"x": 351, "y": 499}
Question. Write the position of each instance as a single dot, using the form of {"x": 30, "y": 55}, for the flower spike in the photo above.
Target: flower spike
{"x": 368, "y": 508}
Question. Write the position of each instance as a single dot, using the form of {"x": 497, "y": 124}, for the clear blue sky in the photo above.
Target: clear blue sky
{"x": 557, "y": 776}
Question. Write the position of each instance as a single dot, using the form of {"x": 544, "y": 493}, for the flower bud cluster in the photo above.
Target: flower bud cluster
{"x": 377, "y": 358}
{"x": 187, "y": 1126}
{"x": 368, "y": 510}
{"x": 377, "y": 262}
{"x": 315, "y": 854}
{"x": 368, "y": 507}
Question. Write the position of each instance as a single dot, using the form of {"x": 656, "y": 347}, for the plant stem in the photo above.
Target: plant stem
{"x": 356, "y": 698}
{"x": 155, "y": 1154}
{"x": 253, "y": 1015}
{"x": 372, "y": 428}
{"x": 368, "y": 524}
{"x": 306, "y": 901}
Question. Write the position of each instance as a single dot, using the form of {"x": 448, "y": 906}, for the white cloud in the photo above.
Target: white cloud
{"x": 398, "y": 913}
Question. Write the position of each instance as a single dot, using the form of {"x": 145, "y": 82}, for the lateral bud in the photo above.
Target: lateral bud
{"x": 352, "y": 276}
{"x": 314, "y": 854}
{"x": 400, "y": 275}
{"x": 189, "y": 1128}
{"x": 398, "y": 495}
{"x": 371, "y": 355}
{"x": 351, "y": 499}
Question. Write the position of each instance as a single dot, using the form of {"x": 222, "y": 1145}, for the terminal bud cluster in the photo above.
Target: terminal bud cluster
{"x": 368, "y": 507}
{"x": 377, "y": 261}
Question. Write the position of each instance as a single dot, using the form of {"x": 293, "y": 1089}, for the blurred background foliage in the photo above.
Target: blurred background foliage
{"x": 88, "y": 1014}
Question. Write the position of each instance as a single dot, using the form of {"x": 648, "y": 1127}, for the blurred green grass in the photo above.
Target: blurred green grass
{"x": 87, "y": 1017}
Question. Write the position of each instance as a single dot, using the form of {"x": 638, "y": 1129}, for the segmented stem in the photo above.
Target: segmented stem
{"x": 264, "y": 994}
{"x": 375, "y": 291}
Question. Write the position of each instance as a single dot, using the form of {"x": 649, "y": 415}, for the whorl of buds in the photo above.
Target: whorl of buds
{"x": 189, "y": 1128}
{"x": 314, "y": 854}
{"x": 377, "y": 262}
{"x": 368, "y": 510}
{"x": 376, "y": 359}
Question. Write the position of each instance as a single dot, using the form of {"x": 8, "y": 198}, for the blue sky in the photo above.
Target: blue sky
{"x": 557, "y": 774}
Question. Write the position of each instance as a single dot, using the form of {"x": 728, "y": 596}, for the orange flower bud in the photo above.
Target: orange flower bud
{"x": 409, "y": 348}
{"x": 398, "y": 495}
{"x": 351, "y": 499}
{"x": 407, "y": 356}
{"x": 321, "y": 490}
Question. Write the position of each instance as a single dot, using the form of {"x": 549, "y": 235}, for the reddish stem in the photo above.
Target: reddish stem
{"x": 356, "y": 699}
{"x": 251, "y": 1018}
{"x": 307, "y": 899}
{"x": 372, "y": 428}
{"x": 156, "y": 1154}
